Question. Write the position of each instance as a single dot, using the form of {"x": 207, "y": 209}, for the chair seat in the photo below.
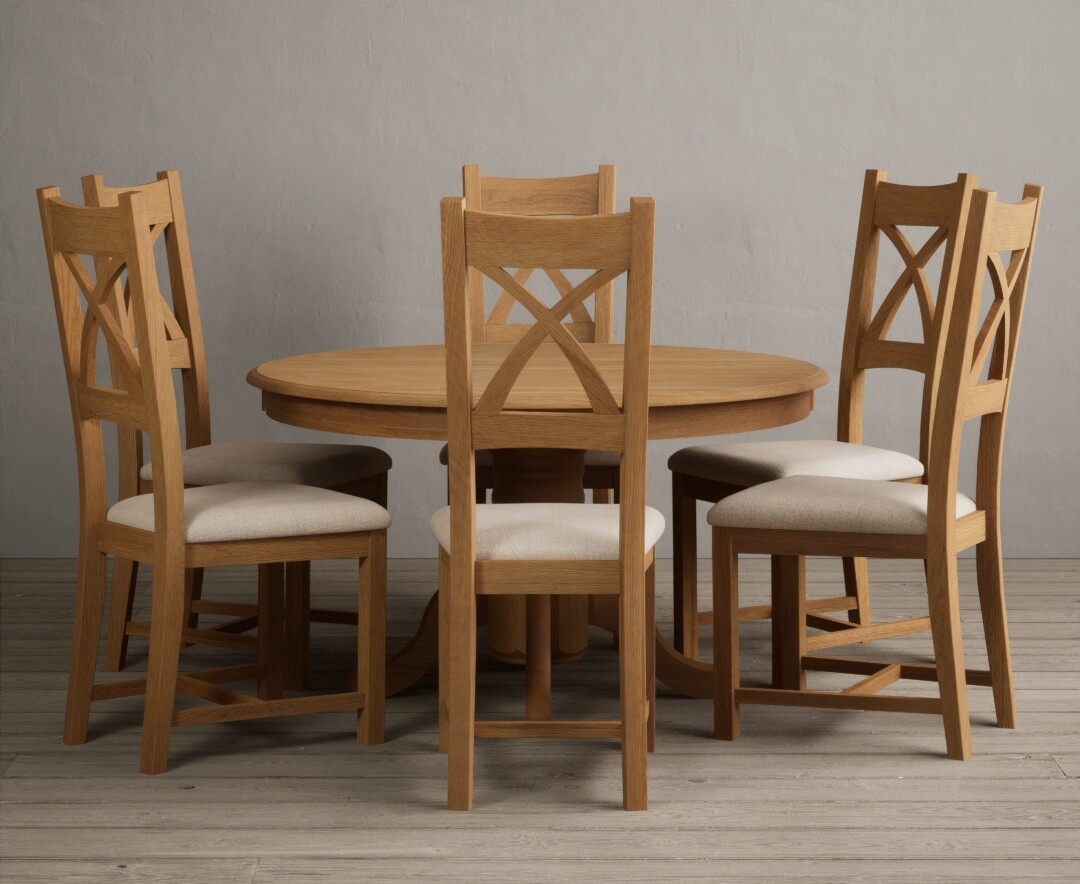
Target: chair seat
{"x": 592, "y": 458}
{"x": 821, "y": 503}
{"x": 256, "y": 510}
{"x": 553, "y": 531}
{"x": 751, "y": 463}
{"x": 299, "y": 463}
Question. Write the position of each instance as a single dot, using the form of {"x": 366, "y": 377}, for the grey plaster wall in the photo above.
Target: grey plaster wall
{"x": 316, "y": 138}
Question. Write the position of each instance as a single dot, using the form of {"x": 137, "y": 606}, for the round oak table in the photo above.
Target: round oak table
{"x": 400, "y": 392}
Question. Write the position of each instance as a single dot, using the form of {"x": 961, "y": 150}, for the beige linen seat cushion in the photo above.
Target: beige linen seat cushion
{"x": 820, "y": 503}
{"x": 256, "y": 510}
{"x": 592, "y": 458}
{"x": 301, "y": 463}
{"x": 751, "y": 463}
{"x": 551, "y": 531}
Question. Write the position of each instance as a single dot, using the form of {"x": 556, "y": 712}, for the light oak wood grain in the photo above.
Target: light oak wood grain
{"x": 120, "y": 238}
{"x": 885, "y": 208}
{"x": 964, "y": 346}
{"x": 164, "y": 211}
{"x": 480, "y": 416}
{"x": 587, "y": 195}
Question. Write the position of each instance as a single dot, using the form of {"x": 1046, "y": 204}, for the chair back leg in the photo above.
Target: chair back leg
{"x": 991, "y": 580}
{"x": 461, "y": 691}
{"x": 943, "y": 590}
{"x": 166, "y": 637}
{"x": 857, "y": 586}
{"x": 725, "y": 636}
{"x": 634, "y": 693}
{"x": 371, "y": 643}
{"x": 89, "y": 602}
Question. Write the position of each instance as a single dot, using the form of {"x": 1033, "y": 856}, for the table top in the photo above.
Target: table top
{"x": 401, "y": 391}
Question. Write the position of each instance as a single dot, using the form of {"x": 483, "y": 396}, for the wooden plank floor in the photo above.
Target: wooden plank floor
{"x": 805, "y": 795}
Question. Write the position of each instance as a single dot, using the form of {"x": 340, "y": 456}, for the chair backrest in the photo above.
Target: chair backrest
{"x": 592, "y": 194}
{"x": 120, "y": 240}
{"x": 611, "y": 246}
{"x": 885, "y": 209}
{"x": 183, "y": 326}
{"x": 979, "y": 356}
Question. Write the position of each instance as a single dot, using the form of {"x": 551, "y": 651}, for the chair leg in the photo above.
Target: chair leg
{"x": 121, "y": 606}
{"x": 86, "y": 634}
{"x": 601, "y": 495}
{"x": 461, "y": 689}
{"x": 725, "y": 636}
{"x": 444, "y": 646}
{"x": 943, "y": 591}
{"x": 166, "y": 637}
{"x": 271, "y": 631}
{"x": 650, "y": 650}
{"x": 633, "y": 690}
{"x": 297, "y": 624}
{"x": 379, "y": 493}
{"x": 193, "y": 584}
{"x": 371, "y": 643}
{"x": 788, "y": 622}
{"x": 538, "y": 658}
{"x": 684, "y": 566}
{"x": 991, "y": 580}
{"x": 857, "y": 586}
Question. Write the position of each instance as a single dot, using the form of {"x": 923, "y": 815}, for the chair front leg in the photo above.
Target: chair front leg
{"x": 538, "y": 658}
{"x": 297, "y": 624}
{"x": 371, "y": 642}
{"x": 725, "y": 635}
{"x": 121, "y": 607}
{"x": 271, "y": 631}
{"x": 444, "y": 646}
{"x": 684, "y": 565}
{"x": 193, "y": 586}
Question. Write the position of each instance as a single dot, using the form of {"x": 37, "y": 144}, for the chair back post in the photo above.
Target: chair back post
{"x": 1003, "y": 363}
{"x": 118, "y": 238}
{"x": 155, "y": 362}
{"x": 459, "y": 324}
{"x": 885, "y": 208}
{"x": 186, "y": 307}
{"x": 636, "y": 366}
{"x": 973, "y": 347}
{"x": 89, "y": 441}
{"x": 591, "y": 194}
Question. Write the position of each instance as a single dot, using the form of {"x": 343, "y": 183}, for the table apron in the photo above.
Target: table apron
{"x": 359, "y": 419}
{"x": 415, "y": 422}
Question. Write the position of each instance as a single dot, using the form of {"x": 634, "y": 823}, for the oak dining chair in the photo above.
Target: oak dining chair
{"x": 359, "y": 470}
{"x": 819, "y": 515}
{"x": 576, "y": 195}
{"x": 173, "y": 528}
{"x": 534, "y": 549}
{"x": 712, "y": 472}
